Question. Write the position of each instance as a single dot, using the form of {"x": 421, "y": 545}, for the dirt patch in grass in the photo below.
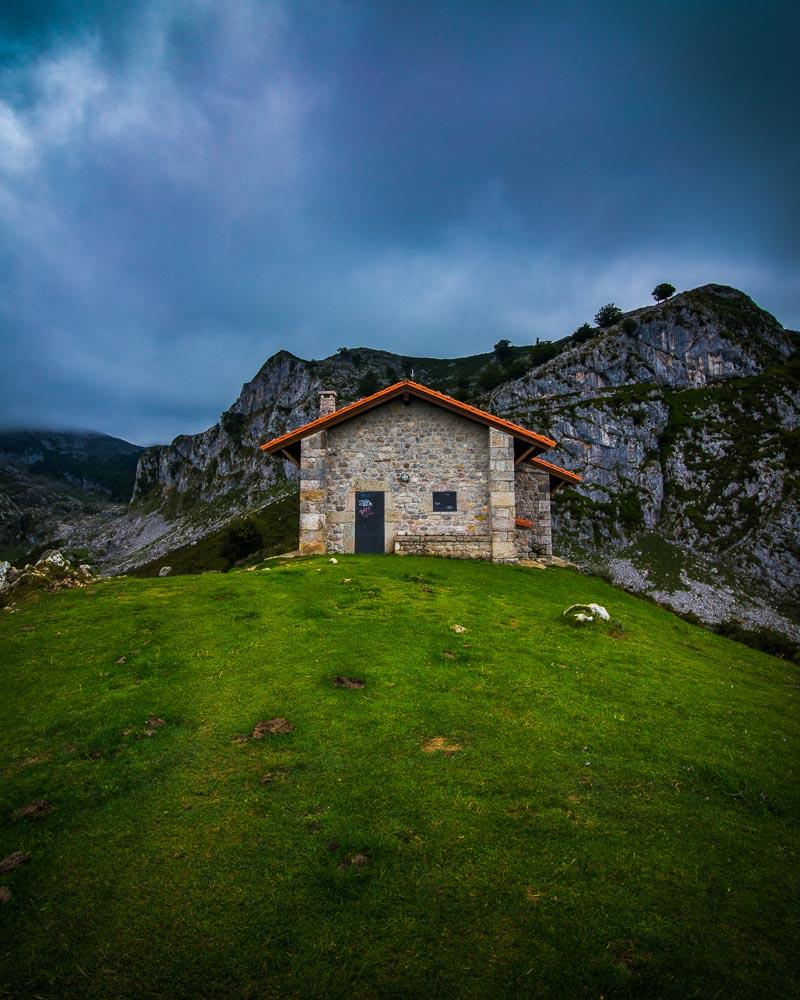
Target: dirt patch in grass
{"x": 275, "y": 727}
{"x": 348, "y": 682}
{"x": 39, "y": 807}
{"x": 359, "y": 860}
{"x": 625, "y": 955}
{"x": 29, "y": 762}
{"x": 13, "y": 861}
{"x": 438, "y": 744}
{"x": 5, "y": 894}
{"x": 271, "y": 777}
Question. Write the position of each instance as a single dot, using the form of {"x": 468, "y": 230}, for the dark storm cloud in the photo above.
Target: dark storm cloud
{"x": 187, "y": 187}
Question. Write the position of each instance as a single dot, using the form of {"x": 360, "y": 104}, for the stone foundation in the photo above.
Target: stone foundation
{"x": 455, "y": 546}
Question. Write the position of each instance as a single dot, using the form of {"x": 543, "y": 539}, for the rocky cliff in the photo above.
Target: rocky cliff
{"x": 683, "y": 420}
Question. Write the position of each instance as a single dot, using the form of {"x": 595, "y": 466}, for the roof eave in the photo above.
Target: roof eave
{"x": 558, "y": 477}
{"x": 536, "y": 441}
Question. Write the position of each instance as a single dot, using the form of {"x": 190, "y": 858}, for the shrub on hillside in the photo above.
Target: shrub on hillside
{"x": 239, "y": 541}
{"x": 368, "y": 384}
{"x": 583, "y": 333}
{"x": 608, "y": 315}
{"x": 491, "y": 376}
{"x": 233, "y": 425}
{"x": 663, "y": 291}
{"x": 542, "y": 352}
{"x": 765, "y": 639}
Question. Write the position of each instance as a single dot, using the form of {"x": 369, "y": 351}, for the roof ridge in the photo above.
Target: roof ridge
{"x": 389, "y": 392}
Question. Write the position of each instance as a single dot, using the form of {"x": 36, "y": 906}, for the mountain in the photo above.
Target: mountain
{"x": 51, "y": 479}
{"x": 682, "y": 418}
{"x": 223, "y": 464}
{"x": 189, "y": 490}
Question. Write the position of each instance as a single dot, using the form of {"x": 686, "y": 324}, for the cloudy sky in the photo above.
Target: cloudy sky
{"x": 187, "y": 187}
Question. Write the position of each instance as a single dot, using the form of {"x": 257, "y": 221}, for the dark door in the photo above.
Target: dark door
{"x": 369, "y": 522}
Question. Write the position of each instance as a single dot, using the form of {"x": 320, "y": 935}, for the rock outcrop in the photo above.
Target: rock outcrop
{"x": 684, "y": 424}
{"x": 50, "y": 573}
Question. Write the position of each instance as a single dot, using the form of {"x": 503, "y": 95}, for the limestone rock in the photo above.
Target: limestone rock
{"x": 585, "y": 614}
{"x": 685, "y": 465}
{"x": 52, "y": 572}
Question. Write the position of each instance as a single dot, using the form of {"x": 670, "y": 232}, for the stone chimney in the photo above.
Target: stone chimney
{"x": 327, "y": 402}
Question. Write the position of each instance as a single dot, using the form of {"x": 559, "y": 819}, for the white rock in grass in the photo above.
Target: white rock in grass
{"x": 165, "y": 571}
{"x": 333, "y": 560}
{"x": 584, "y": 614}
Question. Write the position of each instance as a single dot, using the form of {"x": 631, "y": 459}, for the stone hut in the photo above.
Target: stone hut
{"x": 410, "y": 470}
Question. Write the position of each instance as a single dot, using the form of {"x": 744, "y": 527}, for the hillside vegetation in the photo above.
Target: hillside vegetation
{"x": 520, "y": 808}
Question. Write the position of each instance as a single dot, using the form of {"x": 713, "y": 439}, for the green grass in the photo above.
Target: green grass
{"x": 621, "y": 818}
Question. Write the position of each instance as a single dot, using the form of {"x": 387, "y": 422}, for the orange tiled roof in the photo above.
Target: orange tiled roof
{"x": 400, "y": 389}
{"x": 555, "y": 470}
{"x": 523, "y": 522}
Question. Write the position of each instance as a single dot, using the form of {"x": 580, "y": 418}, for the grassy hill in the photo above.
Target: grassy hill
{"x": 524, "y": 808}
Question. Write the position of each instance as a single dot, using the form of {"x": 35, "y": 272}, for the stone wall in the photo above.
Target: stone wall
{"x": 312, "y": 493}
{"x": 533, "y": 502}
{"x": 502, "y": 503}
{"x": 456, "y": 546}
{"x": 437, "y": 450}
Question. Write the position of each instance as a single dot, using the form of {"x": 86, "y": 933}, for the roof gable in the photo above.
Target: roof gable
{"x": 288, "y": 443}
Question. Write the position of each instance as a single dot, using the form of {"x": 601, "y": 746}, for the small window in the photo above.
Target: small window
{"x": 445, "y": 500}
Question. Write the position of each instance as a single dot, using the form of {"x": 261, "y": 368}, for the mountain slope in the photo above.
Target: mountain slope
{"x": 224, "y": 461}
{"x": 49, "y": 480}
{"x": 685, "y": 428}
